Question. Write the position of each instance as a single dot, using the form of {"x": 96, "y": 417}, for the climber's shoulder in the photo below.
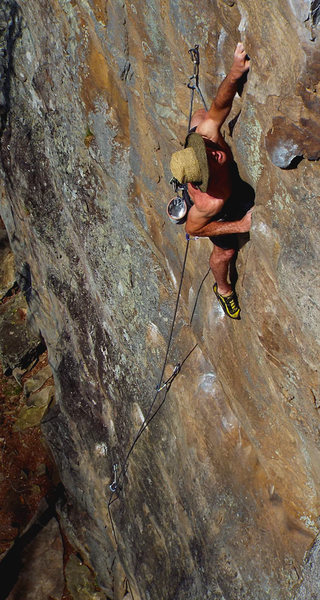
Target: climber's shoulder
{"x": 209, "y": 129}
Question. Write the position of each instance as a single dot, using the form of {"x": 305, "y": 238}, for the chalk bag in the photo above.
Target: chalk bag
{"x": 177, "y": 210}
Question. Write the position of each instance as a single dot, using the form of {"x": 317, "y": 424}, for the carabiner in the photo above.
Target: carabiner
{"x": 113, "y": 486}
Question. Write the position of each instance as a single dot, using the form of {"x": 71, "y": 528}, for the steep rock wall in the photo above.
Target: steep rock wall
{"x": 221, "y": 496}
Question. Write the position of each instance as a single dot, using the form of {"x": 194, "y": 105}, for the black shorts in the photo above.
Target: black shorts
{"x": 240, "y": 201}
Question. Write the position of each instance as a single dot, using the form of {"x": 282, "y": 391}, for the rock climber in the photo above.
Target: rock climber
{"x": 222, "y": 202}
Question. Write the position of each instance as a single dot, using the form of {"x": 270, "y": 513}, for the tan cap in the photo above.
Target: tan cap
{"x": 191, "y": 164}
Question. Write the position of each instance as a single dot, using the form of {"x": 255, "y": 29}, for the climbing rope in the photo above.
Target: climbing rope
{"x": 115, "y": 486}
{"x": 193, "y": 85}
{"x": 162, "y": 385}
{"x": 178, "y": 207}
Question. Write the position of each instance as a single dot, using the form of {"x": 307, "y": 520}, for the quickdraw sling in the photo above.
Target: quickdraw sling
{"x": 179, "y": 206}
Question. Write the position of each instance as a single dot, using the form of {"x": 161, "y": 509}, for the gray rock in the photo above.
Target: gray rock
{"x": 309, "y": 589}
{"x": 18, "y": 343}
{"x": 31, "y": 414}
{"x": 221, "y": 491}
{"x": 7, "y": 265}
{"x": 81, "y": 581}
{"x": 41, "y": 576}
{"x": 35, "y": 382}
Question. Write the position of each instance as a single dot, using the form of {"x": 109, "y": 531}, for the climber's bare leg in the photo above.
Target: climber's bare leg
{"x": 219, "y": 264}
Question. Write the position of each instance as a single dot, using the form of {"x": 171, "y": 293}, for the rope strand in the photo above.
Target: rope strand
{"x": 115, "y": 487}
{"x": 144, "y": 425}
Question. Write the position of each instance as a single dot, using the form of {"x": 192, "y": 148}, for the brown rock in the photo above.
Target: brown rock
{"x": 31, "y": 414}
{"x": 81, "y": 581}
{"x": 286, "y": 142}
{"x": 41, "y": 576}
{"x": 18, "y": 343}
{"x": 37, "y": 381}
{"x": 220, "y": 497}
{"x": 7, "y": 266}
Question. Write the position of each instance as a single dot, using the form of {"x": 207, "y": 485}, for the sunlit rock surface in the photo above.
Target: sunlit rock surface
{"x": 221, "y": 498}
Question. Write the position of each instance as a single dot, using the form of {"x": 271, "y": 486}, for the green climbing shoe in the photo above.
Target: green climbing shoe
{"x": 229, "y": 303}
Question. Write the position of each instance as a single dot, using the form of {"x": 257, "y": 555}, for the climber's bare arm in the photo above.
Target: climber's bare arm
{"x": 199, "y": 223}
{"x": 221, "y": 105}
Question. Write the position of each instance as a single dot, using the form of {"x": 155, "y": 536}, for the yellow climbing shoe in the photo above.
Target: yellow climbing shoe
{"x": 229, "y": 303}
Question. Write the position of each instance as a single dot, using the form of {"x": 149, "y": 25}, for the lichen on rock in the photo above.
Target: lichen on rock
{"x": 221, "y": 494}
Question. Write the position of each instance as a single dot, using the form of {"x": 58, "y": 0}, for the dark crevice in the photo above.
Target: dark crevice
{"x": 30, "y": 357}
{"x": 11, "y": 564}
{"x": 25, "y": 281}
{"x": 242, "y": 81}
{"x": 11, "y": 292}
{"x": 315, "y": 12}
{"x": 232, "y": 123}
{"x": 9, "y": 14}
{"x": 294, "y": 163}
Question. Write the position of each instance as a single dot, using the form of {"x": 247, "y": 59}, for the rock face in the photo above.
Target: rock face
{"x": 221, "y": 497}
{"x": 7, "y": 274}
{"x": 43, "y": 556}
{"x": 18, "y": 344}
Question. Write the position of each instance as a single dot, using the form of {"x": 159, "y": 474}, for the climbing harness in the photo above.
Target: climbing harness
{"x": 179, "y": 206}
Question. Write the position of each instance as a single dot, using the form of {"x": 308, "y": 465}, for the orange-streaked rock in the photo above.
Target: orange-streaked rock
{"x": 221, "y": 496}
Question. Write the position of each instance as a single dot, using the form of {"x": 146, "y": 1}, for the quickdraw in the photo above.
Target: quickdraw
{"x": 179, "y": 206}
{"x": 194, "y": 86}
{"x": 164, "y": 386}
